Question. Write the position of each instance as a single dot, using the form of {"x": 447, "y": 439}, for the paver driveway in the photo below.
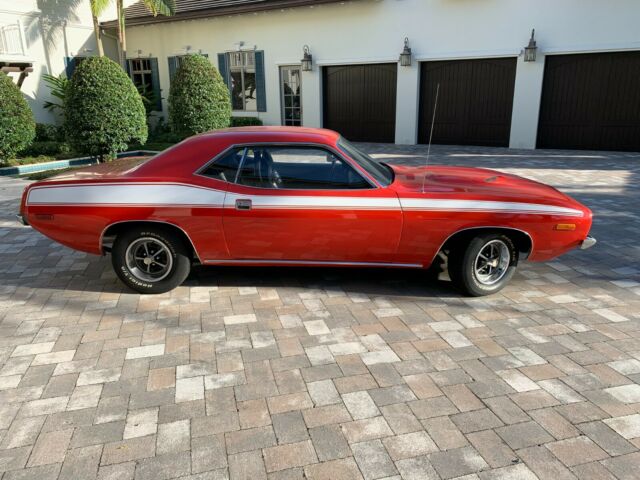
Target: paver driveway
{"x": 328, "y": 374}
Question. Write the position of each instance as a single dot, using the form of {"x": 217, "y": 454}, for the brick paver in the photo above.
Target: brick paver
{"x": 331, "y": 374}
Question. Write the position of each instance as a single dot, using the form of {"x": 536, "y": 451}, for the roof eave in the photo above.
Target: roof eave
{"x": 216, "y": 12}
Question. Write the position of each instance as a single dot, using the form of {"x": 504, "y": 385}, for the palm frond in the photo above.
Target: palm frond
{"x": 161, "y": 7}
{"x": 98, "y": 6}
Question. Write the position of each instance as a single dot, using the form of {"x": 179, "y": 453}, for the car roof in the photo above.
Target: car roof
{"x": 264, "y": 133}
{"x": 190, "y": 154}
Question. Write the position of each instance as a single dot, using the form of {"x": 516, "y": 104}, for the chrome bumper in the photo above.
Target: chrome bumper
{"x": 588, "y": 242}
{"x": 22, "y": 220}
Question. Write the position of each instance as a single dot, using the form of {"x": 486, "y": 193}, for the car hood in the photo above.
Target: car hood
{"x": 475, "y": 184}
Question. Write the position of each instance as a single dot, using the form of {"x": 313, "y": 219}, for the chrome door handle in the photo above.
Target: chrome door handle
{"x": 243, "y": 204}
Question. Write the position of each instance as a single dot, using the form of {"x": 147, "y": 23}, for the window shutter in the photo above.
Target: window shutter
{"x": 223, "y": 68}
{"x": 127, "y": 65}
{"x": 260, "y": 83}
{"x": 155, "y": 83}
{"x": 69, "y": 66}
{"x": 173, "y": 66}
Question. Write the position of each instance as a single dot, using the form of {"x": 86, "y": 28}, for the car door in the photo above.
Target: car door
{"x": 308, "y": 204}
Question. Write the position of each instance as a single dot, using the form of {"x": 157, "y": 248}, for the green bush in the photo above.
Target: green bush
{"x": 198, "y": 99}
{"x": 103, "y": 109}
{"x": 50, "y": 148}
{"x": 17, "y": 126}
{"x": 46, "y": 132}
{"x": 245, "y": 121}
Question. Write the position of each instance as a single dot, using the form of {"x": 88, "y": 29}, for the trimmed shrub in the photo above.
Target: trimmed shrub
{"x": 17, "y": 126}
{"x": 47, "y": 147}
{"x": 103, "y": 109}
{"x": 245, "y": 121}
{"x": 198, "y": 99}
{"x": 46, "y": 132}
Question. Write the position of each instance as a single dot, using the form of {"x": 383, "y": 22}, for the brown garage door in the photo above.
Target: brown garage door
{"x": 474, "y": 104}
{"x": 360, "y": 101}
{"x": 591, "y": 101}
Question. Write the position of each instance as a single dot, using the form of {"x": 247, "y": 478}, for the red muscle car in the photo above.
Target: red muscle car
{"x": 300, "y": 196}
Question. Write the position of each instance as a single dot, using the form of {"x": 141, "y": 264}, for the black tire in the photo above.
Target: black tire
{"x": 161, "y": 279}
{"x": 462, "y": 264}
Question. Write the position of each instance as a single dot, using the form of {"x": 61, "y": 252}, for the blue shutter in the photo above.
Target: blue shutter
{"x": 261, "y": 94}
{"x": 173, "y": 66}
{"x": 155, "y": 83}
{"x": 69, "y": 66}
{"x": 223, "y": 68}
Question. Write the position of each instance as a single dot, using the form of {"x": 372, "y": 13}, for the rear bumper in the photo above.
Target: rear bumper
{"x": 588, "y": 242}
{"x": 22, "y": 220}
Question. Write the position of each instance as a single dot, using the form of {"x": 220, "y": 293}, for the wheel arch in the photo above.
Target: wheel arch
{"x": 521, "y": 239}
{"x": 112, "y": 230}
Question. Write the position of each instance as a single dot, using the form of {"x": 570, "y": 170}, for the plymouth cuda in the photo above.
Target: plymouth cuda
{"x": 298, "y": 196}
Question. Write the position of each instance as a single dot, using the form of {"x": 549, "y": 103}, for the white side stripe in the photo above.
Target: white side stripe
{"x": 123, "y": 194}
{"x": 187, "y": 195}
{"x": 315, "y": 203}
{"x": 486, "y": 206}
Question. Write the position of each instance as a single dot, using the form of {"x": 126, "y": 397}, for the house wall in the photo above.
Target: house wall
{"x": 53, "y": 32}
{"x": 366, "y": 31}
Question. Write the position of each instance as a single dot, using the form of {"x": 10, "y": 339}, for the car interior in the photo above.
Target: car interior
{"x": 287, "y": 168}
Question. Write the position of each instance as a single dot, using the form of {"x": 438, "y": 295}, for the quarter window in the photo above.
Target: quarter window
{"x": 298, "y": 168}
{"x": 225, "y": 168}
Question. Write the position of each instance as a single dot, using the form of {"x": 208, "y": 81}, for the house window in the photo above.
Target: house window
{"x": 141, "y": 74}
{"x": 144, "y": 74}
{"x": 290, "y": 90}
{"x": 242, "y": 73}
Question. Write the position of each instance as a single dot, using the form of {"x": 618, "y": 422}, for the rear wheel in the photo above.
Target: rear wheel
{"x": 150, "y": 259}
{"x": 484, "y": 265}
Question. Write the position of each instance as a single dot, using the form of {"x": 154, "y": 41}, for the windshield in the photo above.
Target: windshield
{"x": 381, "y": 172}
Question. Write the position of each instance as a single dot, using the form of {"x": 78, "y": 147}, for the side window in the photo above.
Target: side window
{"x": 225, "y": 167}
{"x": 298, "y": 168}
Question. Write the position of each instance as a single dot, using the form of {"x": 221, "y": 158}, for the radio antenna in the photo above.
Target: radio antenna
{"x": 433, "y": 121}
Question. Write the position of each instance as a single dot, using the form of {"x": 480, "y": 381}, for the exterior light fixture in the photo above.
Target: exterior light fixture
{"x": 530, "y": 50}
{"x": 405, "y": 56}
{"x": 307, "y": 60}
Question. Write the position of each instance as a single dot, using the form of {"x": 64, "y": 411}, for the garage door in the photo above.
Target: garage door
{"x": 474, "y": 103}
{"x": 591, "y": 101}
{"x": 360, "y": 101}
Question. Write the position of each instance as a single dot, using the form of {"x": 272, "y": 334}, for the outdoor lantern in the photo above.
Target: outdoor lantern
{"x": 530, "y": 50}
{"x": 405, "y": 56}
{"x": 307, "y": 60}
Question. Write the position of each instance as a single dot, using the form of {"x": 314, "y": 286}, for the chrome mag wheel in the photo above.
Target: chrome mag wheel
{"x": 492, "y": 262}
{"x": 149, "y": 259}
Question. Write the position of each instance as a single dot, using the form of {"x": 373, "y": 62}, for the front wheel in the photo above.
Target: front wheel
{"x": 484, "y": 265}
{"x": 150, "y": 259}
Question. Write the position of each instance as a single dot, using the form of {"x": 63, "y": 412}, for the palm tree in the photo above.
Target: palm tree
{"x": 156, "y": 7}
{"x": 97, "y": 7}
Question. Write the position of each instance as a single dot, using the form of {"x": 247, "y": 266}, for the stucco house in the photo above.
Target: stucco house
{"x": 338, "y": 64}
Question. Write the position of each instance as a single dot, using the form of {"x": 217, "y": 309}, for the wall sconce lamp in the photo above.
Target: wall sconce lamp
{"x": 530, "y": 50}
{"x": 405, "y": 56}
{"x": 307, "y": 59}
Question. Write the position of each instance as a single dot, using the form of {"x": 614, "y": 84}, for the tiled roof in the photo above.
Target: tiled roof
{"x": 137, "y": 13}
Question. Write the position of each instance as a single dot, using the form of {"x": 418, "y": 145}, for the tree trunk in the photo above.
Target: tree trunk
{"x": 122, "y": 39}
{"x": 96, "y": 31}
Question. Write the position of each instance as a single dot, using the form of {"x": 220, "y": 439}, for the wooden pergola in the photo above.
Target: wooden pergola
{"x": 23, "y": 68}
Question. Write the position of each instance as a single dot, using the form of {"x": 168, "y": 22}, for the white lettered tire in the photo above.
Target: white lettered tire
{"x": 150, "y": 259}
